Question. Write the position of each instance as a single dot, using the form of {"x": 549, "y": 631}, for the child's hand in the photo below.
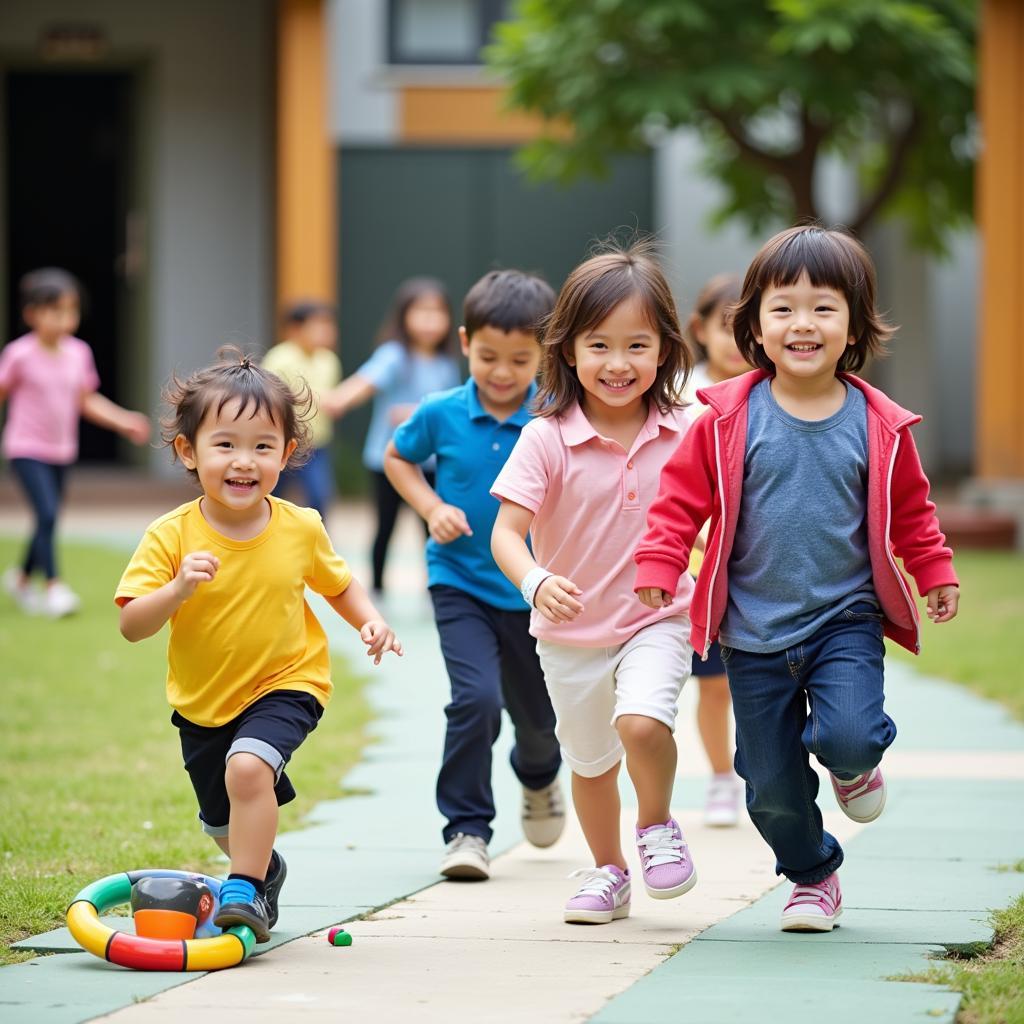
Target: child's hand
{"x": 379, "y": 638}
{"x": 556, "y": 600}
{"x": 196, "y": 567}
{"x": 654, "y": 597}
{"x": 447, "y": 522}
{"x": 137, "y": 427}
{"x": 943, "y": 603}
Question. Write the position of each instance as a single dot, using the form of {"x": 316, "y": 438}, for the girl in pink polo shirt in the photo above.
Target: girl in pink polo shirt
{"x": 579, "y": 481}
{"x": 50, "y": 379}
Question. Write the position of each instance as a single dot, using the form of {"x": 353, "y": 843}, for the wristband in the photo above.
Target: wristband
{"x": 531, "y": 581}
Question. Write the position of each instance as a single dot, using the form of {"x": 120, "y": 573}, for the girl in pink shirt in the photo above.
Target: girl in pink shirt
{"x": 50, "y": 379}
{"x": 579, "y": 481}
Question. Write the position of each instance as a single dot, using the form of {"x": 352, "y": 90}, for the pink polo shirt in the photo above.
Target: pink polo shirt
{"x": 590, "y": 498}
{"x": 44, "y": 395}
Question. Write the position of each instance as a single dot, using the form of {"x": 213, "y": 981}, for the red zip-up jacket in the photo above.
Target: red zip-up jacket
{"x": 704, "y": 479}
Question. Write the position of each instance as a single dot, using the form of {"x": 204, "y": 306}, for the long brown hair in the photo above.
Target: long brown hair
{"x": 409, "y": 291}
{"x": 832, "y": 259}
{"x": 589, "y": 295}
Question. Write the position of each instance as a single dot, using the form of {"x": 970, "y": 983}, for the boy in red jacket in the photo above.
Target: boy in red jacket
{"x": 813, "y": 486}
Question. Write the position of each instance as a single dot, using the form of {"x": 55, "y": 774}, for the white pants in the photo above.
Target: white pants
{"x": 590, "y": 687}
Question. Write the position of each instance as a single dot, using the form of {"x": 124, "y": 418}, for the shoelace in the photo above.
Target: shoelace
{"x": 817, "y": 892}
{"x": 542, "y": 803}
{"x": 460, "y": 840}
{"x": 661, "y": 846}
{"x": 853, "y": 788}
{"x": 597, "y": 881}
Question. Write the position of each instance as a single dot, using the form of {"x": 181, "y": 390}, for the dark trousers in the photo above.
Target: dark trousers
{"x": 838, "y": 671}
{"x": 491, "y": 658}
{"x": 389, "y": 501}
{"x": 314, "y": 482}
{"x": 43, "y": 483}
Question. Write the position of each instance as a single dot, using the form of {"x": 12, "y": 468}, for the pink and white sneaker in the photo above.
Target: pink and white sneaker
{"x": 861, "y": 798}
{"x": 602, "y": 897}
{"x": 665, "y": 859}
{"x": 813, "y": 907}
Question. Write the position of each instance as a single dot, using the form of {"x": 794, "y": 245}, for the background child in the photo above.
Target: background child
{"x": 248, "y": 665}
{"x": 483, "y": 627}
{"x": 308, "y": 354}
{"x": 709, "y": 332}
{"x": 579, "y": 481}
{"x": 50, "y": 377}
{"x": 823, "y": 487}
{"x": 413, "y": 360}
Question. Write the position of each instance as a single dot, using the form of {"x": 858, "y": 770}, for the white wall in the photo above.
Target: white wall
{"x": 208, "y": 159}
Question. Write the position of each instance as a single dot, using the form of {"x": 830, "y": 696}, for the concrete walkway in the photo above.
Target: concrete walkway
{"x": 921, "y": 877}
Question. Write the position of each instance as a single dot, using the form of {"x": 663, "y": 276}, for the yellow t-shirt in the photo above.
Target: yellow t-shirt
{"x": 248, "y": 631}
{"x": 320, "y": 369}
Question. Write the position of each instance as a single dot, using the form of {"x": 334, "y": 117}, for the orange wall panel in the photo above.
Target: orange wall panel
{"x": 462, "y": 115}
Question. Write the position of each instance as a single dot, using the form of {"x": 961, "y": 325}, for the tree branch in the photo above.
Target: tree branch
{"x": 899, "y": 150}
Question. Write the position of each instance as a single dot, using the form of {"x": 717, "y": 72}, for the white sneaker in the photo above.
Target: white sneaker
{"x": 59, "y": 600}
{"x": 466, "y": 858}
{"x": 22, "y": 591}
{"x": 722, "y": 805}
{"x": 543, "y": 815}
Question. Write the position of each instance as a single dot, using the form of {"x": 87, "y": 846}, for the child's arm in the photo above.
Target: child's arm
{"x": 141, "y": 617}
{"x": 676, "y": 516}
{"x": 349, "y": 394}
{"x": 445, "y": 522}
{"x": 555, "y": 597}
{"x": 105, "y": 413}
{"x": 916, "y": 536}
{"x": 355, "y": 607}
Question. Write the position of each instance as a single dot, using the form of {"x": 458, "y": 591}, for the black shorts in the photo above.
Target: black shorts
{"x": 272, "y": 728}
{"x": 713, "y": 666}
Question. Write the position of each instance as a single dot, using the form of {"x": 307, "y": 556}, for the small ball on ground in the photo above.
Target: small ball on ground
{"x": 337, "y": 936}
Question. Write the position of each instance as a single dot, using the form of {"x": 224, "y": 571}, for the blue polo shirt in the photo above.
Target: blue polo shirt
{"x": 471, "y": 447}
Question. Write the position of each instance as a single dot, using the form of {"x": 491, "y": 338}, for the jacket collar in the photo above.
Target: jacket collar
{"x": 726, "y": 397}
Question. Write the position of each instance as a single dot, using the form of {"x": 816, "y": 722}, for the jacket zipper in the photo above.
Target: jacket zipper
{"x": 888, "y": 547}
{"x": 721, "y": 541}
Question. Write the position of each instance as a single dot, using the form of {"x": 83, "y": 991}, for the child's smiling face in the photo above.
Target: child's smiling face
{"x": 238, "y": 457}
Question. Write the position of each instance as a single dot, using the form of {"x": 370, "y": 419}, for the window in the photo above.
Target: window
{"x": 441, "y": 31}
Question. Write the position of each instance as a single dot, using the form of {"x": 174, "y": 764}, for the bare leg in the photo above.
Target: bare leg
{"x": 713, "y": 722}
{"x": 597, "y": 806}
{"x": 253, "y": 823}
{"x": 651, "y": 762}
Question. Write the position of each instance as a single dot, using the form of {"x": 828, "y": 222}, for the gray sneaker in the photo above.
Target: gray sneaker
{"x": 543, "y": 815}
{"x": 273, "y": 885}
{"x": 466, "y": 858}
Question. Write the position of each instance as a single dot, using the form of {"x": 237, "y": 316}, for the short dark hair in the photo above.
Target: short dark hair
{"x": 410, "y": 291}
{"x": 832, "y": 258}
{"x": 510, "y": 300}
{"x": 304, "y": 309}
{"x": 237, "y": 376}
{"x": 45, "y": 286}
{"x": 589, "y": 295}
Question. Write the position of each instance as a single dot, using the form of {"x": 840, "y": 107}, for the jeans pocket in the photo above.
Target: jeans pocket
{"x": 726, "y": 653}
{"x": 863, "y": 611}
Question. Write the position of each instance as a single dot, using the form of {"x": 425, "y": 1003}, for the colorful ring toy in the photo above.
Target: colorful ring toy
{"x": 216, "y": 951}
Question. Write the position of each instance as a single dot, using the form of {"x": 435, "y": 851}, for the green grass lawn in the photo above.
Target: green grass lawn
{"x": 92, "y": 779}
{"x": 983, "y": 646}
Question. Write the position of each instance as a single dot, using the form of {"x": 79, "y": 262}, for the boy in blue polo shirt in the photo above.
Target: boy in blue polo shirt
{"x": 482, "y": 623}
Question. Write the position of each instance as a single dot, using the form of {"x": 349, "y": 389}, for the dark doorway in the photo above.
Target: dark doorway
{"x": 69, "y": 175}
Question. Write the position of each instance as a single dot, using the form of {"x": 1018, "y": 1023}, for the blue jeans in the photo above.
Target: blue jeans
{"x": 314, "y": 481}
{"x": 492, "y": 661}
{"x": 43, "y": 483}
{"x": 838, "y": 671}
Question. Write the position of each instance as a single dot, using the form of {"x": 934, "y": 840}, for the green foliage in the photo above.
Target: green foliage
{"x": 770, "y": 85}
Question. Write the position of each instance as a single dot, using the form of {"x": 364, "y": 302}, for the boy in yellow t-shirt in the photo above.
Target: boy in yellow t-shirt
{"x": 248, "y": 665}
{"x": 308, "y": 356}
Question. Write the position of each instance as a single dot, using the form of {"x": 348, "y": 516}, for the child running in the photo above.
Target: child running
{"x": 483, "y": 626}
{"x": 248, "y": 664}
{"x": 709, "y": 332}
{"x": 814, "y": 488}
{"x": 50, "y": 378}
{"x": 413, "y": 360}
{"x": 579, "y": 481}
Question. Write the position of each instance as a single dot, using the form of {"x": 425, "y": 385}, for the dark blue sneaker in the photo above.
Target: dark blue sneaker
{"x": 273, "y": 885}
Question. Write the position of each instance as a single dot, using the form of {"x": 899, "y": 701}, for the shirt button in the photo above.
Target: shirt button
{"x": 496, "y": 447}
{"x": 629, "y": 465}
{"x": 631, "y": 495}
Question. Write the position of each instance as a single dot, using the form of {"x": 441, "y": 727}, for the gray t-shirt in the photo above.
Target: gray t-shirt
{"x": 801, "y": 550}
